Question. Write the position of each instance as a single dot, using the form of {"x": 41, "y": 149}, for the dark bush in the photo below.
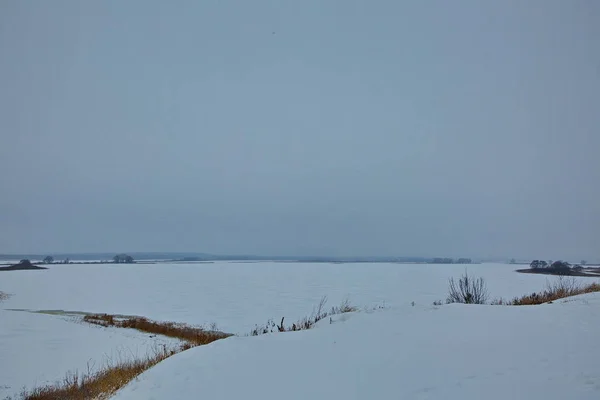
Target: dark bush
{"x": 467, "y": 290}
{"x": 560, "y": 267}
{"x": 535, "y": 264}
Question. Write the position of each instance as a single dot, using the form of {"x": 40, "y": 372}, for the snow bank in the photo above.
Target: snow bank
{"x": 447, "y": 352}
{"x": 38, "y": 349}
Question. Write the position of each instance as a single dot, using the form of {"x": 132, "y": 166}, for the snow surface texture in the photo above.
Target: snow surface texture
{"x": 237, "y": 296}
{"x": 465, "y": 352}
{"x": 38, "y": 349}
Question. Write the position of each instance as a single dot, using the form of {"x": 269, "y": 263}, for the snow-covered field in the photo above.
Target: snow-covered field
{"x": 398, "y": 352}
{"x": 239, "y": 295}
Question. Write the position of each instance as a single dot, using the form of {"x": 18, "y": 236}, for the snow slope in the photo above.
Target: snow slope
{"x": 422, "y": 352}
{"x": 38, "y": 349}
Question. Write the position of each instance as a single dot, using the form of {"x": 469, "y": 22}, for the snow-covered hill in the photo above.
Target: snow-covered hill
{"x": 423, "y": 352}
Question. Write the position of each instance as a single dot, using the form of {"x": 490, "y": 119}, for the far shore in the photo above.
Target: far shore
{"x": 325, "y": 261}
{"x": 586, "y": 272}
{"x": 21, "y": 267}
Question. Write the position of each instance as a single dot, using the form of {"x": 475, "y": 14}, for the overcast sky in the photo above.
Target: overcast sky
{"x": 417, "y": 128}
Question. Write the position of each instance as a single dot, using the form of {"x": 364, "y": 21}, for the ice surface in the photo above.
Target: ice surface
{"x": 239, "y": 295}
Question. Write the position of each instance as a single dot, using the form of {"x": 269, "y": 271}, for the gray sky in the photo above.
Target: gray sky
{"x": 301, "y": 127}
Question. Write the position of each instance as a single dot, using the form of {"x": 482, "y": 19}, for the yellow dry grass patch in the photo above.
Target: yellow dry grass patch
{"x": 561, "y": 288}
{"x": 195, "y": 335}
{"x": 113, "y": 376}
{"x": 554, "y": 294}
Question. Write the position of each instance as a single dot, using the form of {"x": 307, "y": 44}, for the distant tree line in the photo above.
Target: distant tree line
{"x": 559, "y": 267}
{"x": 118, "y": 259}
{"x": 50, "y": 260}
{"x": 440, "y": 260}
{"x": 123, "y": 259}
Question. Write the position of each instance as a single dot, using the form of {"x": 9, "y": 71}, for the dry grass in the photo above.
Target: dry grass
{"x": 195, "y": 335}
{"x": 559, "y": 289}
{"x": 114, "y": 375}
{"x": 98, "y": 385}
{"x": 319, "y": 313}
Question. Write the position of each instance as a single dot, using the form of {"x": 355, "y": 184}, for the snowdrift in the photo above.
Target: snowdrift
{"x": 423, "y": 352}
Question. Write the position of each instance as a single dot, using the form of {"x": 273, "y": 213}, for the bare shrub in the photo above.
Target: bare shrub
{"x": 344, "y": 307}
{"x": 319, "y": 313}
{"x": 563, "y": 286}
{"x": 467, "y": 290}
{"x": 263, "y": 329}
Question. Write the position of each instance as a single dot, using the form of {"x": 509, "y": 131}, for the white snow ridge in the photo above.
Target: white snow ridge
{"x": 422, "y": 352}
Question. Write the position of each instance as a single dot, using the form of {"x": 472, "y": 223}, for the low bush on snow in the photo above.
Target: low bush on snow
{"x": 467, "y": 290}
{"x": 319, "y": 313}
{"x": 3, "y": 296}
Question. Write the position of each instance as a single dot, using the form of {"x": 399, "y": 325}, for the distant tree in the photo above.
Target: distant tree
{"x": 513, "y": 261}
{"x": 583, "y": 262}
{"x": 48, "y": 260}
{"x": 464, "y": 261}
{"x": 535, "y": 264}
{"x": 560, "y": 267}
{"x": 25, "y": 261}
{"x": 560, "y": 263}
{"x": 122, "y": 259}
